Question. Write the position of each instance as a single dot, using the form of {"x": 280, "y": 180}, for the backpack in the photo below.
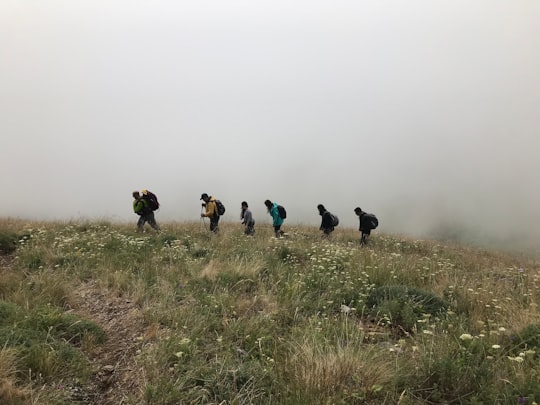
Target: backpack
{"x": 220, "y": 208}
{"x": 371, "y": 221}
{"x": 151, "y": 200}
{"x": 282, "y": 212}
{"x": 335, "y": 220}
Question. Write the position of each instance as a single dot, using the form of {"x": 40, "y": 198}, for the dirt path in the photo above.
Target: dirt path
{"x": 117, "y": 378}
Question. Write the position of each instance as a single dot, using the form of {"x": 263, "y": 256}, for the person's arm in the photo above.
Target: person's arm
{"x": 138, "y": 206}
{"x": 247, "y": 217}
{"x": 326, "y": 220}
{"x": 272, "y": 213}
{"x": 275, "y": 215}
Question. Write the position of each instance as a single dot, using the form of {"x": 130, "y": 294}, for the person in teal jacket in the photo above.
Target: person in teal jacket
{"x": 141, "y": 208}
{"x": 277, "y": 218}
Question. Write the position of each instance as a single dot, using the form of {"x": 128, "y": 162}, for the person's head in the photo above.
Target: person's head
{"x": 244, "y": 205}
{"x": 136, "y": 195}
{"x": 358, "y": 211}
{"x": 321, "y": 209}
{"x": 268, "y": 204}
{"x": 205, "y": 197}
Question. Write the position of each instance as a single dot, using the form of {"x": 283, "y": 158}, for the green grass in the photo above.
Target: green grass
{"x": 258, "y": 320}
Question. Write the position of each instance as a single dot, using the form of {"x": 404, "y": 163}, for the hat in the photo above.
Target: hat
{"x": 144, "y": 191}
{"x": 204, "y": 196}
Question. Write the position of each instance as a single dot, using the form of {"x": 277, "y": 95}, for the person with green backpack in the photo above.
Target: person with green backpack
{"x": 145, "y": 212}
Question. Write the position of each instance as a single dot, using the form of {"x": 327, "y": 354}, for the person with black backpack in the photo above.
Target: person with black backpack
{"x": 214, "y": 209}
{"x": 329, "y": 221}
{"x": 145, "y": 211}
{"x": 278, "y": 214}
{"x": 367, "y": 223}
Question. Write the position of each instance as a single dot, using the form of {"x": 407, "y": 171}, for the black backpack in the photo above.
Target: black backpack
{"x": 220, "y": 208}
{"x": 151, "y": 200}
{"x": 282, "y": 212}
{"x": 371, "y": 221}
{"x": 335, "y": 220}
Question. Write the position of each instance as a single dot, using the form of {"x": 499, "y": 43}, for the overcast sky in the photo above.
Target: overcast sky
{"x": 426, "y": 113}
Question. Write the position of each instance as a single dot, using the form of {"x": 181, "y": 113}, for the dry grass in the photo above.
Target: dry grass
{"x": 10, "y": 390}
{"x": 320, "y": 369}
{"x": 231, "y": 319}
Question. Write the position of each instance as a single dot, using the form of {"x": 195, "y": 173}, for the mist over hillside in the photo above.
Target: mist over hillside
{"x": 422, "y": 113}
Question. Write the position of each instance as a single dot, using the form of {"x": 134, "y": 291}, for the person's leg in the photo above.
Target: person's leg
{"x": 140, "y": 223}
{"x": 214, "y": 224}
{"x": 152, "y": 221}
{"x": 365, "y": 236}
{"x": 278, "y": 231}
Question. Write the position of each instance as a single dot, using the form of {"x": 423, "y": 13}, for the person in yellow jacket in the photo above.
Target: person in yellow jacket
{"x": 211, "y": 211}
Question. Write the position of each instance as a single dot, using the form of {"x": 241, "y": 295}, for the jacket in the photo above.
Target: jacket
{"x": 247, "y": 218}
{"x": 211, "y": 208}
{"x": 365, "y": 222}
{"x": 140, "y": 206}
{"x": 274, "y": 213}
{"x": 327, "y": 221}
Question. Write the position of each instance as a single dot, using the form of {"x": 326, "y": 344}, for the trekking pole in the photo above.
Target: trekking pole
{"x": 203, "y": 222}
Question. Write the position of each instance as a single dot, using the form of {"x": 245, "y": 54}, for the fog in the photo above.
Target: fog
{"x": 425, "y": 113}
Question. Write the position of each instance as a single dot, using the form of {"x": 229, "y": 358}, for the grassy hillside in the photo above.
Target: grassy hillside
{"x": 95, "y": 313}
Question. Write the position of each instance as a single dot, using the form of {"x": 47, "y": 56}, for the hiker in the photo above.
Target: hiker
{"x": 277, "y": 212}
{"x": 328, "y": 222}
{"x": 211, "y": 211}
{"x": 367, "y": 223}
{"x": 142, "y": 208}
{"x": 247, "y": 219}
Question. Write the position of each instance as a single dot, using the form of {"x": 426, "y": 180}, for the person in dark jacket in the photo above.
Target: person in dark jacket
{"x": 247, "y": 219}
{"x": 277, "y": 220}
{"x": 141, "y": 208}
{"x": 327, "y": 220}
{"x": 365, "y": 225}
{"x": 211, "y": 211}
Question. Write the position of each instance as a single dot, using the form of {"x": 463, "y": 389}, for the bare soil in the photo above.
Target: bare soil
{"x": 117, "y": 378}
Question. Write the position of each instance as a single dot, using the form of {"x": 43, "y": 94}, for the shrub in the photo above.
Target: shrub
{"x": 8, "y": 242}
{"x": 455, "y": 377}
{"x": 404, "y": 305}
{"x": 8, "y": 312}
{"x": 529, "y": 337}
